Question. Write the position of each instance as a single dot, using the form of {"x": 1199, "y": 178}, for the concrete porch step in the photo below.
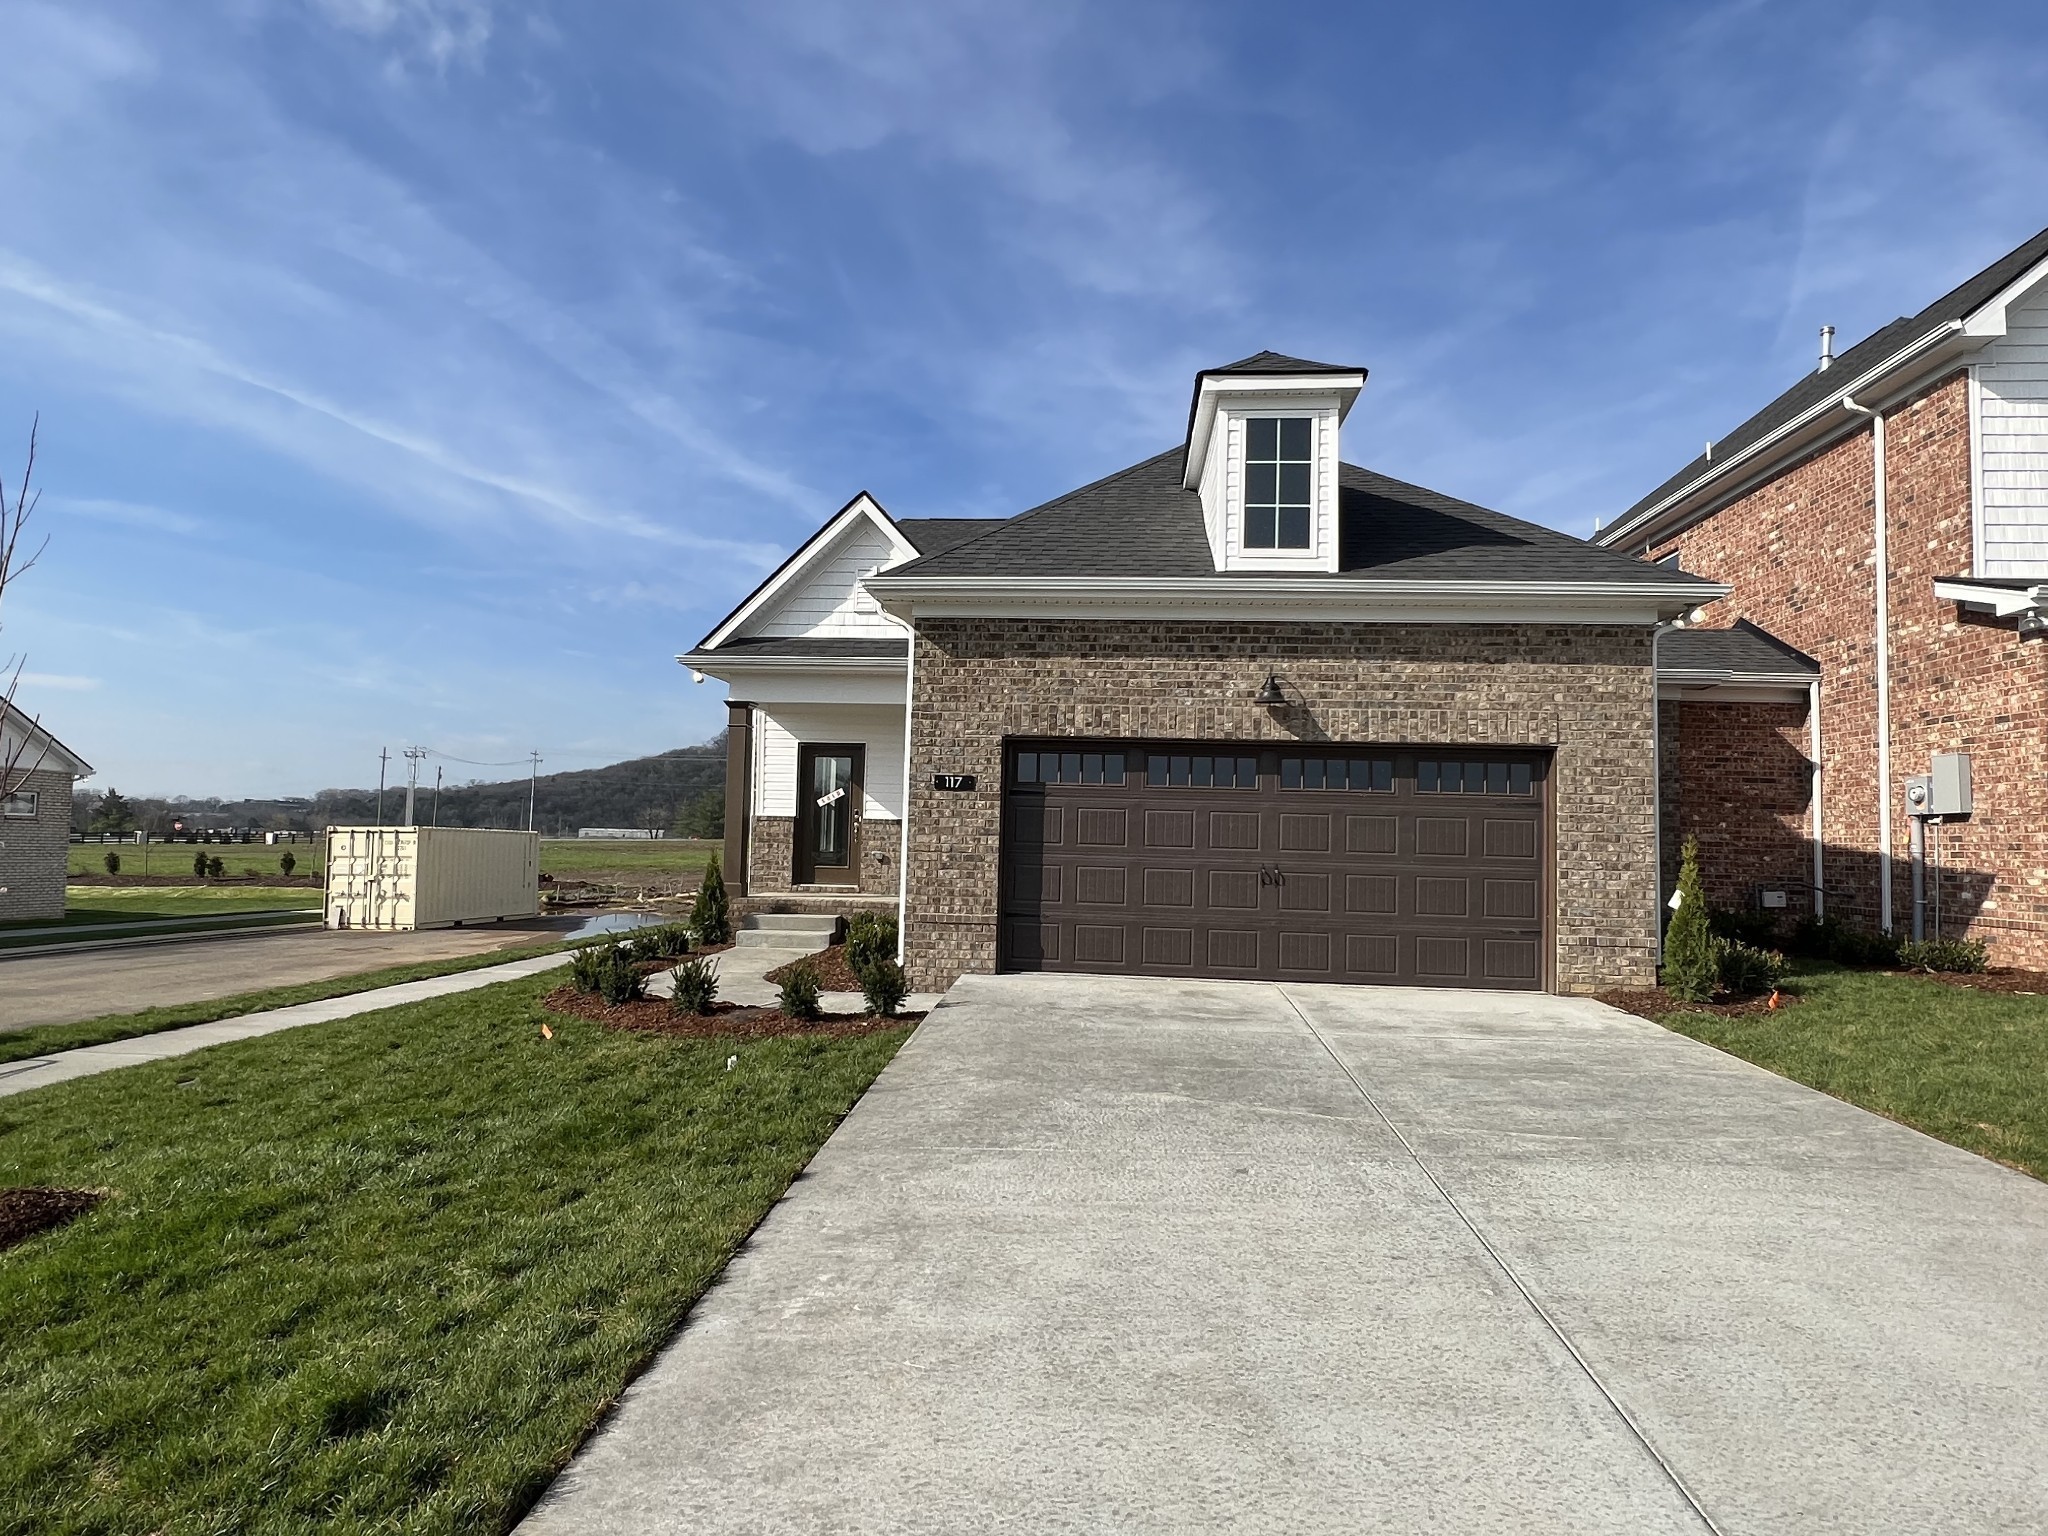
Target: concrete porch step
{"x": 785, "y": 930}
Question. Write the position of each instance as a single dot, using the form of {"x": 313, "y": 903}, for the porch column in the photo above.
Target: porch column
{"x": 739, "y": 787}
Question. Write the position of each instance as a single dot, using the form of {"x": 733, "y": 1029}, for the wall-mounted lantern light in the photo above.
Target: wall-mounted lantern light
{"x": 1270, "y": 696}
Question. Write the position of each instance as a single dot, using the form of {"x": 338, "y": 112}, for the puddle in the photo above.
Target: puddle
{"x": 613, "y": 922}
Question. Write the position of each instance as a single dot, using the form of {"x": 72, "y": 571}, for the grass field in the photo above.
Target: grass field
{"x": 88, "y": 904}
{"x": 568, "y": 856}
{"x": 378, "y": 1275}
{"x": 42, "y": 1039}
{"x": 1968, "y": 1067}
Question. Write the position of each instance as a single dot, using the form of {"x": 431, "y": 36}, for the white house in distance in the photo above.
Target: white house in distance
{"x": 818, "y": 677}
{"x": 35, "y": 819}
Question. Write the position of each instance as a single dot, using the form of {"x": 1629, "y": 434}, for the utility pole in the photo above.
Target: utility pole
{"x": 437, "y": 794}
{"x": 412, "y": 779}
{"x": 383, "y": 757}
{"x": 532, "y": 789}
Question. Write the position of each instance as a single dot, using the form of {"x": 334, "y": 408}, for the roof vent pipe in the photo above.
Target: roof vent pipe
{"x": 1827, "y": 348}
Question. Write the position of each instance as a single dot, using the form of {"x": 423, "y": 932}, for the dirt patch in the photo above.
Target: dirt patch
{"x": 25, "y": 1212}
{"x": 1655, "y": 1003}
{"x": 190, "y": 879}
{"x": 1998, "y": 979}
{"x": 654, "y": 1016}
{"x": 834, "y": 974}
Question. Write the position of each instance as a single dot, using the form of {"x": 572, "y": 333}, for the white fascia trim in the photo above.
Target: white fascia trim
{"x": 727, "y": 671}
{"x": 1258, "y": 597}
{"x": 41, "y": 751}
{"x": 1988, "y": 319}
{"x": 2004, "y": 602}
{"x": 1284, "y": 390}
{"x": 862, "y": 507}
{"x": 1766, "y": 450}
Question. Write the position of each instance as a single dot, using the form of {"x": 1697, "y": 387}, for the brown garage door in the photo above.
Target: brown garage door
{"x": 1414, "y": 866}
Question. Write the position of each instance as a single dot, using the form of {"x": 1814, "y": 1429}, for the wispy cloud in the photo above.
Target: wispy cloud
{"x": 126, "y": 514}
{"x": 435, "y": 33}
{"x": 63, "y": 681}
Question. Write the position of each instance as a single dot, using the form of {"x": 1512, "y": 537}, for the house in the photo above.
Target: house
{"x": 35, "y": 817}
{"x": 1859, "y": 728}
{"x": 1239, "y": 710}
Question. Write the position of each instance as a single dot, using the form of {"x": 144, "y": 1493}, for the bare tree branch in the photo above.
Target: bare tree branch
{"x": 16, "y": 512}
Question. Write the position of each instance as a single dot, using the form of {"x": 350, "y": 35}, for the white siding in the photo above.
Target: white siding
{"x": 1223, "y": 487}
{"x": 829, "y": 600}
{"x": 2012, "y": 445}
{"x": 779, "y": 729}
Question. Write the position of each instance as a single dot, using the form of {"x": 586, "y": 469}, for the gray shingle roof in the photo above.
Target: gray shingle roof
{"x": 1140, "y": 522}
{"x": 803, "y": 646}
{"x": 1958, "y": 303}
{"x": 1744, "y": 650}
{"x": 1275, "y": 362}
{"x": 935, "y": 535}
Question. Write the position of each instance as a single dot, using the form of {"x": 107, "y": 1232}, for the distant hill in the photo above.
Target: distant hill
{"x": 679, "y": 791}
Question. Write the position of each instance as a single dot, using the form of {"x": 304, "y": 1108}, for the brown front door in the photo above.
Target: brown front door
{"x": 1417, "y": 866}
{"x": 828, "y": 801}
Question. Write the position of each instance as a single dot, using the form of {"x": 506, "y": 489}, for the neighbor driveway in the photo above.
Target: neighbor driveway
{"x": 1156, "y": 1256}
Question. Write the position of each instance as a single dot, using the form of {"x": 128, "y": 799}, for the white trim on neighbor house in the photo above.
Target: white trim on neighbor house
{"x": 2009, "y": 444}
{"x": 42, "y": 751}
{"x": 1267, "y": 597}
{"x": 769, "y": 597}
{"x": 1999, "y": 601}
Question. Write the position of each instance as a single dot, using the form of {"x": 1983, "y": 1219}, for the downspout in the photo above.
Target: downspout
{"x": 1657, "y": 788}
{"x": 1820, "y": 900}
{"x": 903, "y": 853}
{"x": 1884, "y": 665}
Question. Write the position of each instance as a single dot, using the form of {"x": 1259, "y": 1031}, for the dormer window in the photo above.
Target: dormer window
{"x": 1279, "y": 459}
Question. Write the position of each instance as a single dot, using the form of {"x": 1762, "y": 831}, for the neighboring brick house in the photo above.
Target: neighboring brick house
{"x": 35, "y": 818}
{"x": 1240, "y": 710}
{"x": 1884, "y": 523}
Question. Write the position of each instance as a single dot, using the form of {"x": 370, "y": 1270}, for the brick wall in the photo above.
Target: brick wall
{"x": 771, "y": 859}
{"x": 1800, "y": 552}
{"x": 1737, "y": 778}
{"x": 33, "y": 855}
{"x": 1584, "y": 690}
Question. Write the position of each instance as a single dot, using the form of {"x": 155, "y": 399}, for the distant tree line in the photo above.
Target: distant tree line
{"x": 680, "y": 792}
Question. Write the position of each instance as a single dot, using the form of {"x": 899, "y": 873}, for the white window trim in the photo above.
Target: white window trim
{"x": 34, "y": 797}
{"x": 1243, "y": 449}
{"x": 1320, "y": 411}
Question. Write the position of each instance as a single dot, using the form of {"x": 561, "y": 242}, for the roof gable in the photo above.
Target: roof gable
{"x": 44, "y": 752}
{"x": 792, "y": 591}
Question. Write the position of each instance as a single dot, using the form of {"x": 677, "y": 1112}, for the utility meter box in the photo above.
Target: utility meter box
{"x": 1948, "y": 786}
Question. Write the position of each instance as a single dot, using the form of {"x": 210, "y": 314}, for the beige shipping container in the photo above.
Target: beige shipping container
{"x": 429, "y": 877}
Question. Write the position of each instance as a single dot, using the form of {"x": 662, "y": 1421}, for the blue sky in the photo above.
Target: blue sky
{"x": 434, "y": 370}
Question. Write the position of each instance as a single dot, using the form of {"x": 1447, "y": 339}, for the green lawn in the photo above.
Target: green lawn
{"x": 1969, "y": 1067}
{"x": 176, "y": 858}
{"x": 378, "y": 1275}
{"x": 42, "y": 1039}
{"x": 89, "y": 904}
{"x": 569, "y": 856}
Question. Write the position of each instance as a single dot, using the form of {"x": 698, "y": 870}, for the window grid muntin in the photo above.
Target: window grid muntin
{"x": 1445, "y": 777}
{"x": 1372, "y": 775}
{"x": 1279, "y": 482}
{"x": 1069, "y": 767}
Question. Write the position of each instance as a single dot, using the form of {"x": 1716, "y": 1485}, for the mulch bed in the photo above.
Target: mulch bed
{"x": 654, "y": 1016}
{"x": 1655, "y": 1003}
{"x": 834, "y": 974}
{"x": 25, "y": 1212}
{"x": 1998, "y": 979}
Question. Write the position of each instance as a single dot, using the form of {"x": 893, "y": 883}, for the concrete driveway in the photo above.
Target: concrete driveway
{"x": 1153, "y": 1256}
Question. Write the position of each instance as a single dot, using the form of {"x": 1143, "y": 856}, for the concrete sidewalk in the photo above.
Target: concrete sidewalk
{"x": 63, "y": 1066}
{"x": 1157, "y": 1256}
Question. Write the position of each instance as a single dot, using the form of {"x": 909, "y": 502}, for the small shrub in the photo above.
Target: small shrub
{"x": 287, "y": 862}
{"x": 1746, "y": 970}
{"x": 618, "y": 976}
{"x": 883, "y": 987}
{"x": 585, "y": 967}
{"x": 870, "y": 937}
{"x": 800, "y": 991}
{"x": 113, "y": 863}
{"x": 1970, "y": 956}
{"x": 696, "y": 986}
{"x": 216, "y": 867}
{"x": 199, "y": 865}
{"x": 671, "y": 941}
{"x": 1745, "y": 925}
{"x": 1827, "y": 938}
{"x": 1691, "y": 966}
{"x": 711, "y": 913}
